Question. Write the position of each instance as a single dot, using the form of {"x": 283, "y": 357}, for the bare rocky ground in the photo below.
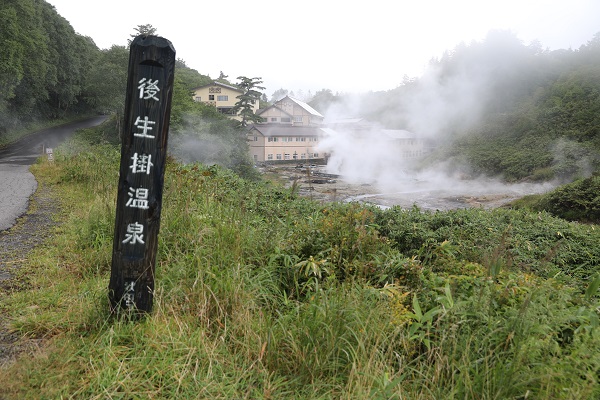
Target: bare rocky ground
{"x": 313, "y": 182}
{"x": 31, "y": 229}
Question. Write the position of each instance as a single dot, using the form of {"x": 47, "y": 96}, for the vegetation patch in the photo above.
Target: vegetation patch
{"x": 263, "y": 294}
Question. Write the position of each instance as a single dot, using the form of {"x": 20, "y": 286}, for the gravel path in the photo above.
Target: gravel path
{"x": 26, "y": 211}
{"x": 30, "y": 230}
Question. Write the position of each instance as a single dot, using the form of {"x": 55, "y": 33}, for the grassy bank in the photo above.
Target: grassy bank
{"x": 260, "y": 294}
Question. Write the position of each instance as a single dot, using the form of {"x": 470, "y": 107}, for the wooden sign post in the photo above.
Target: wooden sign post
{"x": 143, "y": 156}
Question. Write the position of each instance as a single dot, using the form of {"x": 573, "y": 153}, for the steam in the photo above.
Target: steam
{"x": 201, "y": 147}
{"x": 449, "y": 98}
{"x": 200, "y": 140}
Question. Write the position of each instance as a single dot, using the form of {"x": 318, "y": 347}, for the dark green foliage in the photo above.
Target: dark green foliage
{"x": 551, "y": 128}
{"x": 244, "y": 107}
{"x": 44, "y": 65}
{"x": 577, "y": 201}
{"x": 323, "y": 99}
{"x": 531, "y": 242}
{"x": 105, "y": 87}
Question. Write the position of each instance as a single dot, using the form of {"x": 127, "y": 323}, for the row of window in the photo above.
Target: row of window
{"x": 290, "y": 139}
{"x": 211, "y": 97}
{"x": 414, "y": 153}
{"x": 287, "y": 119}
{"x": 295, "y": 156}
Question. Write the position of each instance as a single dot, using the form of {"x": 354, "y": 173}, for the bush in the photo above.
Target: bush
{"x": 577, "y": 201}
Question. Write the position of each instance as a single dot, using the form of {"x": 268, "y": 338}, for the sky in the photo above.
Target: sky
{"x": 347, "y": 46}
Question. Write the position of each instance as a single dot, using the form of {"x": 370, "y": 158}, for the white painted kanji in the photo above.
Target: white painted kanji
{"x": 148, "y": 89}
{"x": 141, "y": 163}
{"x": 138, "y": 198}
{"x": 144, "y": 125}
{"x": 129, "y": 294}
{"x": 135, "y": 234}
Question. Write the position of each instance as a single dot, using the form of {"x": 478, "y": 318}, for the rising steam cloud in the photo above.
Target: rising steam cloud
{"x": 435, "y": 108}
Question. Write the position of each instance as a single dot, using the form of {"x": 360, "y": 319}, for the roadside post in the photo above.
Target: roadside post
{"x": 143, "y": 155}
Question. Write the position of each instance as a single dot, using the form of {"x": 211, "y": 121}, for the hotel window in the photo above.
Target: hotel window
{"x": 297, "y": 119}
{"x": 315, "y": 155}
{"x": 285, "y": 119}
{"x": 269, "y": 156}
{"x": 279, "y": 156}
{"x": 211, "y": 97}
{"x": 255, "y": 158}
{"x": 302, "y": 156}
{"x": 274, "y": 119}
{"x": 286, "y": 156}
{"x": 198, "y": 98}
{"x": 256, "y": 138}
{"x": 222, "y": 98}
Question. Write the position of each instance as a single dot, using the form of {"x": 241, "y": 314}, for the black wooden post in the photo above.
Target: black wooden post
{"x": 143, "y": 155}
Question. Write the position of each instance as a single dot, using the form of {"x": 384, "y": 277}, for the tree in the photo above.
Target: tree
{"x": 324, "y": 99}
{"x": 279, "y": 94}
{"x": 107, "y": 82}
{"x": 190, "y": 77}
{"x": 146, "y": 30}
{"x": 245, "y": 104}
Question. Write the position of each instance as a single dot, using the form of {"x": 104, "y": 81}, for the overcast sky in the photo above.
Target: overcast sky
{"x": 346, "y": 45}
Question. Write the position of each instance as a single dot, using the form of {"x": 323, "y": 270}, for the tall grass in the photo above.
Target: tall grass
{"x": 260, "y": 294}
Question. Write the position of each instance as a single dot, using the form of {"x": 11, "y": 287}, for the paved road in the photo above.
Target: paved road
{"x": 17, "y": 184}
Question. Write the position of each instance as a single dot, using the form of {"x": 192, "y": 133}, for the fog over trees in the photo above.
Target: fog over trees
{"x": 499, "y": 106}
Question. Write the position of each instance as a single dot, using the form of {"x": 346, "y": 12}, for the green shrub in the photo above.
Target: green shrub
{"x": 577, "y": 201}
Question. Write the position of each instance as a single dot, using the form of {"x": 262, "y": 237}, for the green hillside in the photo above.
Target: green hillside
{"x": 503, "y": 108}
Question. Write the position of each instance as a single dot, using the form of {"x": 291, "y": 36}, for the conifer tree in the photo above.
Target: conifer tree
{"x": 245, "y": 104}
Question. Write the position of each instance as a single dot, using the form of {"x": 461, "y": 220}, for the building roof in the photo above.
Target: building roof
{"x": 271, "y": 130}
{"x": 352, "y": 124}
{"x": 345, "y": 121}
{"x": 259, "y": 112}
{"x": 302, "y": 104}
{"x": 307, "y": 107}
{"x": 215, "y": 83}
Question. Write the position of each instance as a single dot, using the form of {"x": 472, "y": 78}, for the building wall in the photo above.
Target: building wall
{"x": 282, "y": 148}
{"x": 276, "y": 116}
{"x": 410, "y": 148}
{"x": 213, "y": 95}
{"x": 300, "y": 117}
